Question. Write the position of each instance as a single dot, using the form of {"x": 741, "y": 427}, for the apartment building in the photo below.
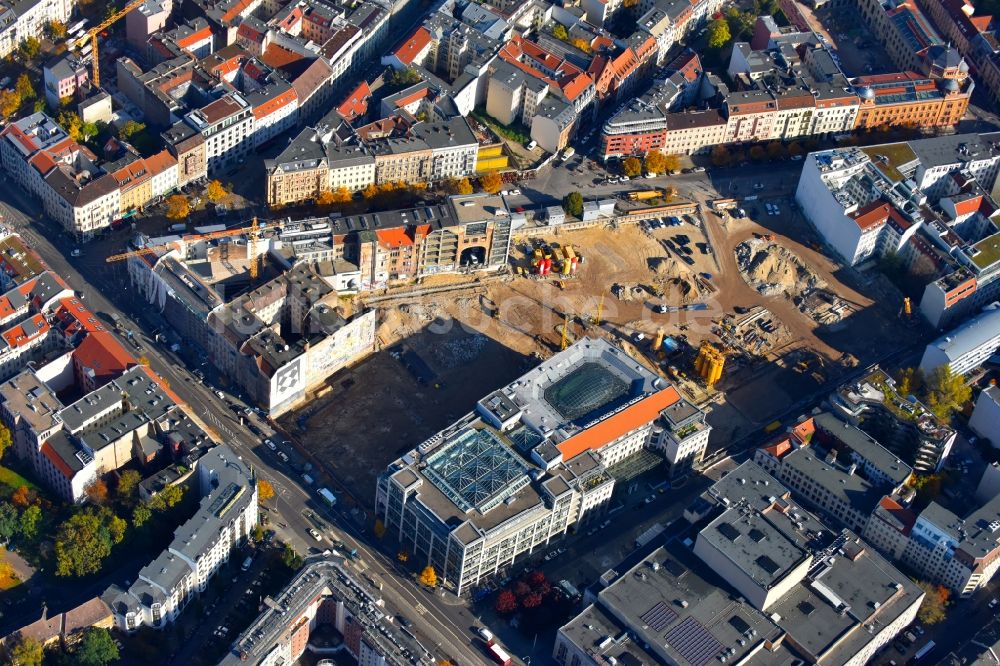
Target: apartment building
{"x": 64, "y": 77}
{"x": 835, "y": 468}
{"x": 905, "y": 425}
{"x": 985, "y": 419}
{"x": 764, "y": 581}
{"x": 504, "y": 481}
{"x": 324, "y": 594}
{"x": 20, "y": 20}
{"x": 967, "y": 346}
{"x": 870, "y": 201}
{"x": 224, "y": 521}
{"x": 81, "y": 192}
{"x": 227, "y": 125}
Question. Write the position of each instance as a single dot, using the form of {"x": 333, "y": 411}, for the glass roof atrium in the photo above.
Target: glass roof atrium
{"x": 477, "y": 470}
{"x": 585, "y": 390}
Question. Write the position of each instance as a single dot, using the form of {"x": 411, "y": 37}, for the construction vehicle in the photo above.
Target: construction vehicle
{"x": 94, "y": 33}
{"x": 643, "y": 195}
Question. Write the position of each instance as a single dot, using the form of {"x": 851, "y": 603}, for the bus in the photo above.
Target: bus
{"x": 924, "y": 650}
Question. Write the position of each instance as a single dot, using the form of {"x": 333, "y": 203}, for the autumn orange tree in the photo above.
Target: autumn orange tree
{"x": 178, "y": 207}
{"x": 491, "y": 182}
{"x": 265, "y": 490}
{"x": 215, "y": 191}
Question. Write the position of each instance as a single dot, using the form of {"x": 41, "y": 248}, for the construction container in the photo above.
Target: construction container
{"x": 572, "y": 264}
{"x": 566, "y": 267}
{"x": 537, "y": 253}
{"x": 568, "y": 252}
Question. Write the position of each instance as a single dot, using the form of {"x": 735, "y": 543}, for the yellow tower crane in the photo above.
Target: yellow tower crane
{"x": 252, "y": 250}
{"x": 95, "y": 32}
{"x": 565, "y": 333}
{"x": 600, "y": 311}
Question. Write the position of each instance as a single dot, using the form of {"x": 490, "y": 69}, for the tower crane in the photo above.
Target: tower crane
{"x": 252, "y": 232}
{"x": 93, "y": 34}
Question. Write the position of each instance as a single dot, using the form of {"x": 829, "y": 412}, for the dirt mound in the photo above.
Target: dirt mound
{"x": 773, "y": 270}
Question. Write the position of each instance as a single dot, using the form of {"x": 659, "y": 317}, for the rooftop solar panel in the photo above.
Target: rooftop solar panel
{"x": 659, "y": 616}
{"x": 694, "y": 642}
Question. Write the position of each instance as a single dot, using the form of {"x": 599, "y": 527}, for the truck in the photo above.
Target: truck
{"x": 499, "y": 655}
{"x": 327, "y": 496}
{"x": 568, "y": 153}
{"x": 642, "y": 195}
{"x": 924, "y": 650}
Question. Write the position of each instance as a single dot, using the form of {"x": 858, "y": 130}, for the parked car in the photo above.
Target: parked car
{"x": 271, "y": 445}
{"x": 314, "y": 534}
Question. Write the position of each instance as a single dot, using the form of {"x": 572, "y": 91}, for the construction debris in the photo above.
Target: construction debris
{"x": 773, "y": 270}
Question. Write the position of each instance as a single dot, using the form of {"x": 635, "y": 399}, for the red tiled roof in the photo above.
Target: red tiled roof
{"x": 17, "y": 336}
{"x": 968, "y": 206}
{"x": 160, "y": 162}
{"x": 779, "y": 447}
{"x": 804, "y": 431}
{"x": 274, "y": 104}
{"x": 73, "y": 316}
{"x": 195, "y": 37}
{"x": 906, "y": 517}
{"x": 873, "y": 215}
{"x": 101, "y": 353}
{"x": 417, "y": 42}
{"x": 356, "y": 104}
{"x": 615, "y": 426}
{"x": 278, "y": 56}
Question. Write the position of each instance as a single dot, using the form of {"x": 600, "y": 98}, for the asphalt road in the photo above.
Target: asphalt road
{"x": 96, "y": 281}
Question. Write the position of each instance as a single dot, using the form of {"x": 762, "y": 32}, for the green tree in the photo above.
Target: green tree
{"x": 559, "y": 32}
{"x": 38, "y": 106}
{"x": 141, "y": 515}
{"x": 85, "y": 540}
{"x": 740, "y": 23}
{"x": 96, "y": 648}
{"x": 573, "y": 204}
{"x": 29, "y": 48}
{"x": 757, "y": 153}
{"x": 70, "y": 122}
{"x": 8, "y": 521}
{"x": 290, "y": 558}
{"x": 910, "y": 381}
{"x": 129, "y": 129}
{"x": 946, "y": 391}
{"x": 934, "y": 607}
{"x": 24, "y": 87}
{"x": 631, "y": 167}
{"x": 718, "y": 34}
{"x": 88, "y": 131}
{"x": 167, "y": 498}
{"x": 5, "y": 439}
{"x": 128, "y": 481}
{"x": 403, "y": 78}
{"x": 28, "y": 523}
{"x": 258, "y": 533}
{"x": 27, "y": 652}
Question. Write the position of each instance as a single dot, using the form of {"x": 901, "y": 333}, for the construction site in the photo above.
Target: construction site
{"x": 452, "y": 337}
